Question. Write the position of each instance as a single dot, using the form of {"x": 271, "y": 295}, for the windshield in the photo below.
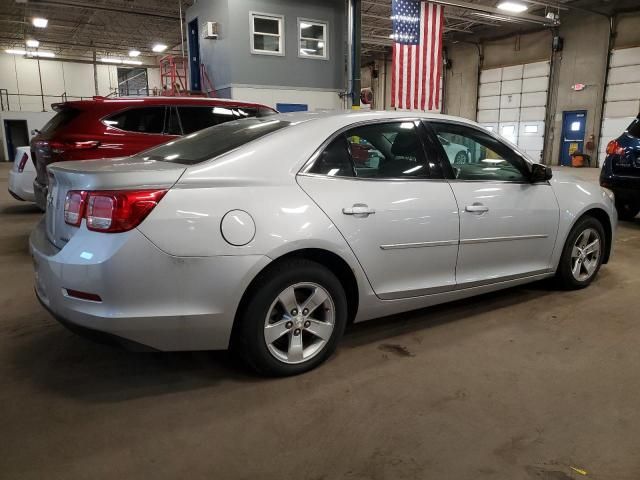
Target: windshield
{"x": 213, "y": 142}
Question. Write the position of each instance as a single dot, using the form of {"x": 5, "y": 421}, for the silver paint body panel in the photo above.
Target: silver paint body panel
{"x": 174, "y": 283}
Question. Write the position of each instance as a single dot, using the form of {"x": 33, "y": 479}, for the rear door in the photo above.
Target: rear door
{"x": 508, "y": 225}
{"x": 390, "y": 202}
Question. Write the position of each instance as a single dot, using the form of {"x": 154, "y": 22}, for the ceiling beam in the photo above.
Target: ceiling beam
{"x": 58, "y": 3}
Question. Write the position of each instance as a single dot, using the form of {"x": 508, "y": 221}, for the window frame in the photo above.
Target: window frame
{"x": 447, "y": 167}
{"x": 424, "y": 136}
{"x": 325, "y": 38}
{"x": 280, "y": 35}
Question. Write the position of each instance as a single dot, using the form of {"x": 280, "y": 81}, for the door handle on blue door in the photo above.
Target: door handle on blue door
{"x": 359, "y": 210}
{"x": 476, "y": 208}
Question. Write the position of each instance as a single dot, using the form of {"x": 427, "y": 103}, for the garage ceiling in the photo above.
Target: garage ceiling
{"x": 77, "y": 27}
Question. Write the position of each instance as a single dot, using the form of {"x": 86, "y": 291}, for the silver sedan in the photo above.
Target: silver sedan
{"x": 269, "y": 235}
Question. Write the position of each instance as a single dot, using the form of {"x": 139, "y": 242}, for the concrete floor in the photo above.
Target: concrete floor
{"x": 522, "y": 384}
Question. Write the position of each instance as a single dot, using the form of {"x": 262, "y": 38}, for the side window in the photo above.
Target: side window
{"x": 198, "y": 118}
{"x": 475, "y": 155}
{"x": 384, "y": 150}
{"x": 141, "y": 120}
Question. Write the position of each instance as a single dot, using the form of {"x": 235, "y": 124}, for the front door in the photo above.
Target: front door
{"x": 573, "y": 130}
{"x": 377, "y": 187}
{"x": 508, "y": 225}
{"x": 194, "y": 56}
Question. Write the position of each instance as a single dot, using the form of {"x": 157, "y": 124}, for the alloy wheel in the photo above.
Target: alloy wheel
{"x": 585, "y": 255}
{"x": 299, "y": 323}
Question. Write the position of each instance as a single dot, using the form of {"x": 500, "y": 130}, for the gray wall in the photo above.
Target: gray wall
{"x": 231, "y": 62}
{"x": 583, "y": 60}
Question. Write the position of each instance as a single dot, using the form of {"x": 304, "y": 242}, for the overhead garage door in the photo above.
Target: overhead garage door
{"x": 622, "y": 100}
{"x": 512, "y": 101}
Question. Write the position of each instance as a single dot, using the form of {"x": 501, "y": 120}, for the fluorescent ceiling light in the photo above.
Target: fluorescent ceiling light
{"x": 41, "y": 54}
{"x": 134, "y": 53}
{"x": 40, "y": 22}
{"x": 513, "y": 7}
{"x": 33, "y": 43}
{"x": 159, "y": 47}
{"x": 16, "y": 52}
{"x": 110, "y": 60}
{"x": 132, "y": 62}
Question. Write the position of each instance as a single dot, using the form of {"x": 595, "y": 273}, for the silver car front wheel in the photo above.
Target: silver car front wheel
{"x": 585, "y": 255}
{"x": 299, "y": 323}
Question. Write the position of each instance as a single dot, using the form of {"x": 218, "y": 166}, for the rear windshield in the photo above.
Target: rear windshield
{"x": 61, "y": 119}
{"x": 214, "y": 141}
{"x": 634, "y": 128}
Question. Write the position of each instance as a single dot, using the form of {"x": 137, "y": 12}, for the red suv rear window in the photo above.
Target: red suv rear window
{"x": 62, "y": 118}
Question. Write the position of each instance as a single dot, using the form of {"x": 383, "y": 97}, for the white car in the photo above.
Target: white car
{"x": 457, "y": 154}
{"x": 22, "y": 175}
{"x": 265, "y": 234}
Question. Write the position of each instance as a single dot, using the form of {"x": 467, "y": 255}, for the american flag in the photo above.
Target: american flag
{"x": 417, "y": 52}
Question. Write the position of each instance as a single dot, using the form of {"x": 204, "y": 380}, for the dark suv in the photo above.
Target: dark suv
{"x": 621, "y": 171}
{"x": 118, "y": 127}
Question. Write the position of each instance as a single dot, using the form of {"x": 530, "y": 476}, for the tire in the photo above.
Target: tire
{"x": 265, "y": 315}
{"x": 588, "y": 228}
{"x": 461, "y": 158}
{"x": 627, "y": 209}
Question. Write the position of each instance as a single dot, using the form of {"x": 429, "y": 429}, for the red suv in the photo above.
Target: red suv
{"x": 118, "y": 127}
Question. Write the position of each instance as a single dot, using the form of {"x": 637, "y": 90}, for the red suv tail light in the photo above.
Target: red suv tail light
{"x": 614, "y": 148}
{"x": 61, "y": 147}
{"x": 23, "y": 162}
{"x": 110, "y": 211}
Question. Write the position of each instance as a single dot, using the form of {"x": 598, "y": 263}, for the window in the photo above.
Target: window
{"x": 531, "y": 129}
{"x": 475, "y": 155}
{"x": 213, "y": 142}
{"x": 575, "y": 126}
{"x": 141, "y": 120}
{"x": 199, "y": 118}
{"x": 384, "y": 150}
{"x": 267, "y": 34}
{"x": 312, "y": 39}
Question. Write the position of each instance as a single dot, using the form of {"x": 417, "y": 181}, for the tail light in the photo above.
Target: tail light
{"x": 74, "y": 207}
{"x": 614, "y": 148}
{"x": 61, "y": 147}
{"x": 23, "y": 162}
{"x": 110, "y": 211}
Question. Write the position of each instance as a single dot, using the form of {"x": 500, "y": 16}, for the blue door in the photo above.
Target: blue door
{"x": 573, "y": 129}
{"x": 194, "y": 55}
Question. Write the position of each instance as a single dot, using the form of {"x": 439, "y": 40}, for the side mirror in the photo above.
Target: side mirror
{"x": 540, "y": 173}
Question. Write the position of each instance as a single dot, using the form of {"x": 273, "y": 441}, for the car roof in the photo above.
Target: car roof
{"x": 344, "y": 118}
{"x": 155, "y": 100}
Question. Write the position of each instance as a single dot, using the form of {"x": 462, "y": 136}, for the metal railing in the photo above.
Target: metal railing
{"x": 28, "y": 102}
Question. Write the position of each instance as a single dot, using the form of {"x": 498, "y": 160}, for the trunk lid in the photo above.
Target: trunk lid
{"x": 113, "y": 174}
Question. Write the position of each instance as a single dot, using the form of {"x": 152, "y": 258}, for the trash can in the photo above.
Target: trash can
{"x": 579, "y": 159}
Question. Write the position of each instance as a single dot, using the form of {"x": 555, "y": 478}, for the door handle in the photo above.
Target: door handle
{"x": 359, "y": 210}
{"x": 476, "y": 208}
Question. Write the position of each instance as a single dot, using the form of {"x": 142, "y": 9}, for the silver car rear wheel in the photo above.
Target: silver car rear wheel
{"x": 299, "y": 323}
{"x": 585, "y": 255}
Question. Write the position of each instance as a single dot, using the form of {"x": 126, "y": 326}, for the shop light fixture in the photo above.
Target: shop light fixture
{"x": 13, "y": 51}
{"x": 159, "y": 48}
{"x": 132, "y": 62}
{"x": 33, "y": 43}
{"x": 134, "y": 53}
{"x": 110, "y": 60}
{"x": 40, "y": 22}
{"x": 516, "y": 7}
{"x": 41, "y": 54}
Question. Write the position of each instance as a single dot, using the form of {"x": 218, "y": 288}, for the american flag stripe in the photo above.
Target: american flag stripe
{"x": 417, "y": 53}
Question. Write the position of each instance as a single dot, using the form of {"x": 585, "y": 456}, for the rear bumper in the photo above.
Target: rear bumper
{"x": 148, "y": 297}
{"x": 20, "y": 187}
